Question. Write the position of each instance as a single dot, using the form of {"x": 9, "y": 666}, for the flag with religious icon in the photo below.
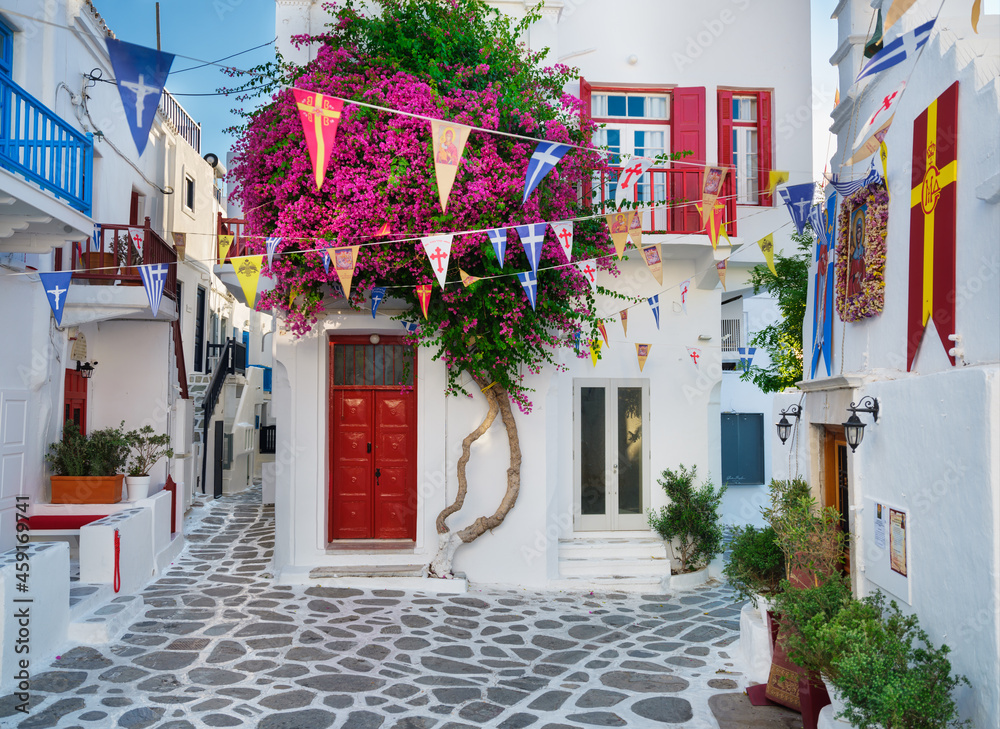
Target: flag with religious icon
{"x": 684, "y": 288}
{"x": 467, "y": 280}
{"x": 695, "y": 354}
{"x": 140, "y": 74}
{"x": 720, "y": 266}
{"x": 378, "y": 294}
{"x": 711, "y": 188}
{"x": 320, "y": 115}
{"x": 248, "y": 274}
{"x": 767, "y": 248}
{"x": 651, "y": 255}
{"x": 448, "y": 143}
{"x": 589, "y": 271}
{"x": 632, "y": 172}
{"x": 798, "y": 199}
{"x": 543, "y": 159}
{"x": 424, "y": 296}
{"x": 56, "y": 284}
{"x": 775, "y": 178}
{"x": 532, "y": 238}
{"x": 154, "y": 276}
{"x": 344, "y": 261}
{"x": 623, "y": 316}
{"x": 564, "y": 234}
{"x": 595, "y": 351}
{"x": 438, "y": 249}
{"x": 642, "y": 353}
{"x": 225, "y": 242}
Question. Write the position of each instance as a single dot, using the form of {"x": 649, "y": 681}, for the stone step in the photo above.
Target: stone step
{"x": 636, "y": 567}
{"x": 642, "y": 585}
{"x": 616, "y": 548}
{"x": 368, "y": 570}
{"x": 105, "y": 623}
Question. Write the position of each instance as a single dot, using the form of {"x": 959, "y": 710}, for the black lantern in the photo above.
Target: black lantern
{"x": 784, "y": 425}
{"x": 86, "y": 369}
{"x": 854, "y": 429}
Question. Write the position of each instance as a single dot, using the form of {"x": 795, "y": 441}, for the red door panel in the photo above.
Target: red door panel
{"x": 351, "y": 472}
{"x": 75, "y": 400}
{"x": 395, "y": 459}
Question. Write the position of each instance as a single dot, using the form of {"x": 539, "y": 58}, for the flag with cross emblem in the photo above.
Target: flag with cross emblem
{"x": 654, "y": 304}
{"x": 140, "y": 74}
{"x": 154, "y": 276}
{"x": 532, "y": 238}
{"x": 498, "y": 237}
{"x": 529, "y": 281}
{"x": 378, "y": 294}
{"x": 438, "y": 249}
{"x": 589, "y": 271}
{"x": 320, "y": 115}
{"x": 56, "y": 284}
{"x": 798, "y": 199}
{"x": 543, "y": 159}
{"x": 695, "y": 354}
{"x": 632, "y": 172}
{"x": 564, "y": 234}
{"x": 933, "y": 200}
{"x": 902, "y": 48}
{"x": 272, "y": 246}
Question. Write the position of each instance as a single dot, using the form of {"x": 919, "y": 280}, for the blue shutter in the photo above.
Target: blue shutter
{"x": 742, "y": 448}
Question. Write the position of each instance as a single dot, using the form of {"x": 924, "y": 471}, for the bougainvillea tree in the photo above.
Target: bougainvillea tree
{"x": 458, "y": 60}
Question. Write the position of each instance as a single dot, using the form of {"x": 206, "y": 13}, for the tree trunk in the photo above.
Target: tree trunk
{"x": 448, "y": 541}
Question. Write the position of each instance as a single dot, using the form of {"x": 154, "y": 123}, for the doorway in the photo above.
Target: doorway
{"x": 373, "y": 440}
{"x": 836, "y": 483}
{"x": 611, "y": 473}
{"x": 75, "y": 400}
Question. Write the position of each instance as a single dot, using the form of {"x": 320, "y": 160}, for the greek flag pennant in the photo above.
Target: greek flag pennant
{"x": 154, "y": 276}
{"x": 56, "y": 284}
{"x": 848, "y": 188}
{"x": 532, "y": 238}
{"x": 320, "y": 115}
{"x": 798, "y": 199}
{"x": 140, "y": 74}
{"x": 438, "y": 249}
{"x": 902, "y": 48}
{"x": 545, "y": 157}
{"x": 654, "y": 304}
{"x": 498, "y": 237}
{"x": 746, "y": 357}
{"x": 272, "y": 246}
{"x": 378, "y": 293}
{"x": 529, "y": 281}
{"x": 411, "y": 327}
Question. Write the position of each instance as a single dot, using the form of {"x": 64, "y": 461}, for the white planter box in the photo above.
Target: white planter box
{"x": 755, "y": 650}
{"x": 689, "y": 580}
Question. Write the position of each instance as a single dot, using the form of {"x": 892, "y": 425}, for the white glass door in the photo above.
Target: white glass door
{"x": 611, "y": 471}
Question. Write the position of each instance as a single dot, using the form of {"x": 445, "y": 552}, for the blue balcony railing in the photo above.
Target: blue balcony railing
{"x": 45, "y": 149}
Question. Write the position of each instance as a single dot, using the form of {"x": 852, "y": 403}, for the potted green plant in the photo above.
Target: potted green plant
{"x": 690, "y": 523}
{"x": 147, "y": 447}
{"x": 88, "y": 469}
{"x": 756, "y": 564}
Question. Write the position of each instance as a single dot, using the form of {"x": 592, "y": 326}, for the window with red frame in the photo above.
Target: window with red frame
{"x": 745, "y": 142}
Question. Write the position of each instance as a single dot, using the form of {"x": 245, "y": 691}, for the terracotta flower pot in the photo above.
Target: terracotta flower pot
{"x": 87, "y": 489}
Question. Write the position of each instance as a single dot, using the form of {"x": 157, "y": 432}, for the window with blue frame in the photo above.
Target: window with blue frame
{"x": 6, "y": 48}
{"x": 634, "y": 124}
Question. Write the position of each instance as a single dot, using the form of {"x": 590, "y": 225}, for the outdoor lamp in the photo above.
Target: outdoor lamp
{"x": 86, "y": 369}
{"x": 783, "y": 425}
{"x": 854, "y": 429}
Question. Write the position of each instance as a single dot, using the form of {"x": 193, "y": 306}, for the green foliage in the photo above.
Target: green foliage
{"x": 783, "y": 340}
{"x": 691, "y": 518}
{"x": 809, "y": 536}
{"x": 102, "y": 453}
{"x": 756, "y": 563}
{"x": 806, "y": 618}
{"x": 147, "y": 448}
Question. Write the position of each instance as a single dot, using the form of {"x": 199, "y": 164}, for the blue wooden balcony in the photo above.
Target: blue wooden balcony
{"x": 45, "y": 149}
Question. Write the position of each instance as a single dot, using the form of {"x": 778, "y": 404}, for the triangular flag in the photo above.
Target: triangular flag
{"x": 438, "y": 249}
{"x": 411, "y": 327}
{"x": 623, "y": 315}
{"x": 694, "y": 353}
{"x": 532, "y": 238}
{"x": 576, "y": 342}
{"x": 595, "y": 351}
{"x": 448, "y": 143}
{"x": 874, "y": 44}
{"x": 56, "y": 284}
{"x": 746, "y": 357}
{"x": 378, "y": 294}
{"x": 635, "y": 228}
{"x": 543, "y": 159}
{"x": 604, "y": 332}
{"x": 424, "y": 296}
{"x": 618, "y": 228}
{"x": 684, "y": 294}
{"x": 848, "y": 188}
{"x": 498, "y": 237}
{"x": 529, "y": 281}
{"x": 589, "y": 271}
{"x": 977, "y": 7}
{"x": 877, "y": 126}
{"x": 654, "y": 304}
{"x": 883, "y": 153}
{"x": 180, "y": 244}
{"x": 904, "y": 47}
{"x": 292, "y": 293}
{"x": 641, "y": 353}
{"x": 798, "y": 199}
{"x": 140, "y": 74}
{"x": 716, "y": 223}
{"x": 632, "y": 172}
{"x": 272, "y": 246}
{"x": 344, "y": 262}
{"x": 225, "y": 241}
{"x": 383, "y": 230}
{"x": 154, "y": 276}
{"x": 767, "y": 248}
{"x": 721, "y": 268}
{"x": 710, "y": 189}
{"x": 326, "y": 261}
{"x": 248, "y": 274}
{"x": 564, "y": 234}
{"x": 467, "y": 280}
{"x": 896, "y": 11}
{"x": 651, "y": 254}
{"x": 775, "y": 178}
{"x": 320, "y": 115}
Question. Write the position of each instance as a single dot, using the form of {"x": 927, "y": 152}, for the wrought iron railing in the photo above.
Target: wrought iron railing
{"x": 44, "y": 148}
{"x": 268, "y": 438}
{"x": 117, "y": 252}
{"x": 187, "y": 127}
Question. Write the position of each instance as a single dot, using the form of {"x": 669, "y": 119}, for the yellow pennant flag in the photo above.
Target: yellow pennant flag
{"x": 291, "y": 296}
{"x": 618, "y": 228}
{"x": 623, "y": 315}
{"x": 716, "y": 224}
{"x": 896, "y": 11}
{"x": 779, "y": 177}
{"x": 651, "y": 254}
{"x": 977, "y": 7}
{"x": 710, "y": 189}
{"x": 767, "y": 248}
{"x": 448, "y": 145}
{"x": 248, "y": 274}
{"x": 604, "y": 331}
{"x": 225, "y": 241}
{"x": 642, "y": 352}
{"x": 883, "y": 153}
{"x": 635, "y": 228}
{"x": 595, "y": 351}
{"x": 721, "y": 268}
{"x": 344, "y": 261}
{"x": 467, "y": 280}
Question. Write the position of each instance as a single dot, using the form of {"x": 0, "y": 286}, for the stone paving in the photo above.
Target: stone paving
{"x": 221, "y": 645}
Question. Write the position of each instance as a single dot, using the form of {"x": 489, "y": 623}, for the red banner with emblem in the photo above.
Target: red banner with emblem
{"x": 320, "y": 116}
{"x": 932, "y": 223}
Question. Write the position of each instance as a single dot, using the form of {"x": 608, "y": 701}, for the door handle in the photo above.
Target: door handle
{"x": 369, "y": 447}
{"x": 378, "y": 473}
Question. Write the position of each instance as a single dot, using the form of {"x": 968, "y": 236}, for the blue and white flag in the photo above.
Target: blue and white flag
{"x": 272, "y": 246}
{"x": 378, "y": 293}
{"x": 326, "y": 261}
{"x": 140, "y": 74}
{"x": 530, "y": 283}
{"x": 410, "y": 326}
{"x": 545, "y": 157}
{"x": 154, "y": 276}
{"x": 817, "y": 215}
{"x": 95, "y": 239}
{"x": 56, "y": 284}
{"x": 831, "y": 219}
{"x": 498, "y": 237}
{"x": 902, "y": 48}
{"x": 798, "y": 199}
{"x": 532, "y": 238}
{"x": 746, "y": 356}
{"x": 654, "y": 304}
{"x": 848, "y": 188}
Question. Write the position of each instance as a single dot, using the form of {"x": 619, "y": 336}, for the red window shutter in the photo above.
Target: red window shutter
{"x": 687, "y": 122}
{"x": 133, "y": 211}
{"x": 584, "y": 115}
{"x": 764, "y": 159}
{"x": 726, "y": 128}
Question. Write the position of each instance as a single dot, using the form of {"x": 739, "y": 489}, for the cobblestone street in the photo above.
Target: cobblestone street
{"x": 220, "y": 645}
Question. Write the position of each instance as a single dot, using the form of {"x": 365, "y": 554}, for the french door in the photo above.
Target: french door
{"x": 611, "y": 463}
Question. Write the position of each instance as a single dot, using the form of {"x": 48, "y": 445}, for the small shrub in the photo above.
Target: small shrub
{"x": 102, "y": 453}
{"x": 68, "y": 457}
{"x": 805, "y": 614}
{"x": 147, "y": 448}
{"x": 691, "y": 518}
{"x": 809, "y": 536}
{"x": 756, "y": 563}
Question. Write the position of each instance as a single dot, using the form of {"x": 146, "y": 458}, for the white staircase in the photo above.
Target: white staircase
{"x": 621, "y": 563}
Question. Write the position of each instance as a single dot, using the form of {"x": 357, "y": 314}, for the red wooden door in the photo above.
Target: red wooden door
{"x": 373, "y": 478}
{"x": 75, "y": 400}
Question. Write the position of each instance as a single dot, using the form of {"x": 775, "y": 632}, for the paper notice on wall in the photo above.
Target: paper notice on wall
{"x": 897, "y": 541}
{"x": 880, "y": 525}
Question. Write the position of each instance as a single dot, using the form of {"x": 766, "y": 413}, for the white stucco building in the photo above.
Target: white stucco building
{"x": 931, "y": 462}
